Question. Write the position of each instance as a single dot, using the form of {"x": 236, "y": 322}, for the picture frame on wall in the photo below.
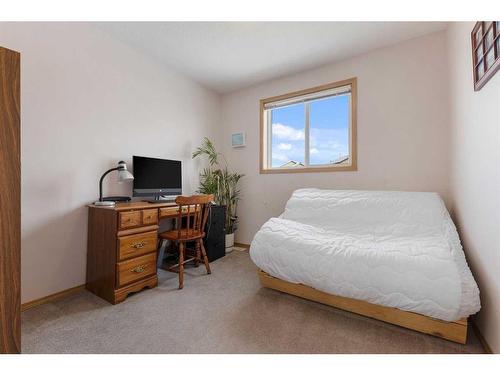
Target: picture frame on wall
{"x": 238, "y": 140}
{"x": 485, "y": 38}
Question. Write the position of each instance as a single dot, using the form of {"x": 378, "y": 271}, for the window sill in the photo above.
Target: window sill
{"x": 339, "y": 168}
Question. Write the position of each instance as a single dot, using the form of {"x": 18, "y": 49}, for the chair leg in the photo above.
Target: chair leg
{"x": 181, "y": 265}
{"x": 198, "y": 253}
{"x": 205, "y": 259}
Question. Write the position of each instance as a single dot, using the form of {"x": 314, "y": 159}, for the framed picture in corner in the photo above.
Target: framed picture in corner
{"x": 485, "y": 38}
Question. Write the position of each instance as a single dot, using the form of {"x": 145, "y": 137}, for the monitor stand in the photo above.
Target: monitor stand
{"x": 161, "y": 200}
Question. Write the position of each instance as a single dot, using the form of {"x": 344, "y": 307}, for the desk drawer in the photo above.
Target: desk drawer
{"x": 136, "y": 245}
{"x": 149, "y": 217}
{"x": 135, "y": 269}
{"x": 130, "y": 219}
{"x": 169, "y": 211}
{"x": 174, "y": 211}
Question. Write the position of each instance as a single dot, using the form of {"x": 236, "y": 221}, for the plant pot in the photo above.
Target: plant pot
{"x": 229, "y": 240}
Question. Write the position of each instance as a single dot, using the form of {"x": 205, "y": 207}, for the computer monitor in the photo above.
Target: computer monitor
{"x": 157, "y": 177}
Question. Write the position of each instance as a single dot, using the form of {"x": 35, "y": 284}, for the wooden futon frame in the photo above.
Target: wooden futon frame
{"x": 453, "y": 331}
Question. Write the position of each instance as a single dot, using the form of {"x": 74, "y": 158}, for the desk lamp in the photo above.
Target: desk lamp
{"x": 123, "y": 175}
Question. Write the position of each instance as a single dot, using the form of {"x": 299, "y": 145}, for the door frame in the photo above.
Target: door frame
{"x": 10, "y": 202}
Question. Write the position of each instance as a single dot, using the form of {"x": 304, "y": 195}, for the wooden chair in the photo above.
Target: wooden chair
{"x": 193, "y": 213}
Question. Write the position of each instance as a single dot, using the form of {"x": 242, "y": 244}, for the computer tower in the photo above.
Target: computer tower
{"x": 215, "y": 239}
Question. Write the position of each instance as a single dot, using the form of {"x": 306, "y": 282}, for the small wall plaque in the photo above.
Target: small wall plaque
{"x": 238, "y": 140}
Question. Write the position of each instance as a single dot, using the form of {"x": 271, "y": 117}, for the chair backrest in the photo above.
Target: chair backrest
{"x": 195, "y": 209}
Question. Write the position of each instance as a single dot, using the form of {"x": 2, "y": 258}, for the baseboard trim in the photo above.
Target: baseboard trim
{"x": 52, "y": 298}
{"x": 481, "y": 338}
{"x": 244, "y": 245}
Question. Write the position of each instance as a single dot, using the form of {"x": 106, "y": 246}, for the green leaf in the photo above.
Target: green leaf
{"x": 219, "y": 181}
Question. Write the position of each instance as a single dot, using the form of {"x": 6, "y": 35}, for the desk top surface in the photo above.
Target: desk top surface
{"x": 134, "y": 206}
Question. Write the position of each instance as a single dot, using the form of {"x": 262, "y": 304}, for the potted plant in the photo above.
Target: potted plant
{"x": 223, "y": 184}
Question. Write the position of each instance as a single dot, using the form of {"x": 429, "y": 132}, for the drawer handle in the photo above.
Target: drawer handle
{"x": 139, "y": 245}
{"x": 139, "y": 269}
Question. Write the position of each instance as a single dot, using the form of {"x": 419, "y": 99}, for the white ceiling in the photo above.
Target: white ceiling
{"x": 226, "y": 56}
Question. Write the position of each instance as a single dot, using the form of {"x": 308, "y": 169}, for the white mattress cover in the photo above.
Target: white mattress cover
{"x": 397, "y": 249}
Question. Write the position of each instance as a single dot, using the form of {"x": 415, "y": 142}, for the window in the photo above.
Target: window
{"x": 312, "y": 130}
{"x": 485, "y": 52}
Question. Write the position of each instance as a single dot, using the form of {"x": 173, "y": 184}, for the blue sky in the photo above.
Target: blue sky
{"x": 329, "y": 131}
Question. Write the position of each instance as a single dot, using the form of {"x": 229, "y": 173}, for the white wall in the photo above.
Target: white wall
{"x": 475, "y": 175}
{"x": 402, "y": 128}
{"x": 88, "y": 101}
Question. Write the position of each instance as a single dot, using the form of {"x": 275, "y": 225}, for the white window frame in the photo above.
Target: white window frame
{"x": 306, "y": 96}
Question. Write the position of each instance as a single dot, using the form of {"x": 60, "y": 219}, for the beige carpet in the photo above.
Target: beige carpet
{"x": 226, "y": 312}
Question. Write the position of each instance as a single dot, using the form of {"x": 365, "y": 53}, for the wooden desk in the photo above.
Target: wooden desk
{"x": 122, "y": 247}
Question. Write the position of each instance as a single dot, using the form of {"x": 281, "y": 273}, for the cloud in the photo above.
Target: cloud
{"x": 325, "y": 144}
{"x": 280, "y": 157}
{"x": 284, "y": 146}
{"x": 287, "y": 133}
{"x": 329, "y": 144}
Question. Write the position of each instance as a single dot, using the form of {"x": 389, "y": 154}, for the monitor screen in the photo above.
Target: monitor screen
{"x": 156, "y": 177}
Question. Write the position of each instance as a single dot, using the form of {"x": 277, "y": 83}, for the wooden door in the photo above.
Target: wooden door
{"x": 10, "y": 203}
